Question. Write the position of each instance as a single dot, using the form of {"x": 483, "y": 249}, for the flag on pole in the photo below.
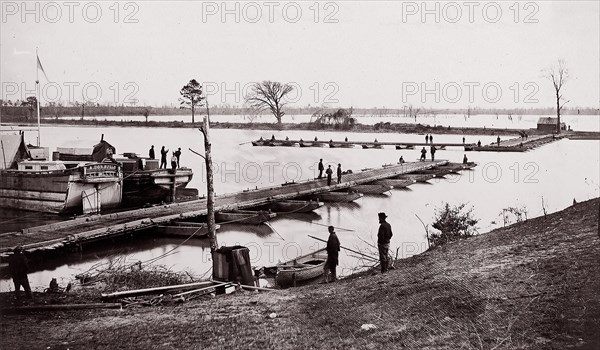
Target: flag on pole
{"x": 39, "y": 66}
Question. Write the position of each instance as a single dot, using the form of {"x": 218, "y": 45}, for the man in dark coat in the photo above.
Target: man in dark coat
{"x": 178, "y": 154}
{"x": 329, "y": 173}
{"x": 433, "y": 149}
{"x": 423, "y": 154}
{"x": 339, "y": 173}
{"x": 163, "y": 157}
{"x": 321, "y": 168}
{"x": 19, "y": 268}
{"x": 384, "y": 235}
{"x": 151, "y": 153}
{"x": 333, "y": 252}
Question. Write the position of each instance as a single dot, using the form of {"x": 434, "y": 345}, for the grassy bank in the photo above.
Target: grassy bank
{"x": 533, "y": 285}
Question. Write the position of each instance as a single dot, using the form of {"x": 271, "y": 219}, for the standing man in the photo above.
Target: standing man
{"x": 384, "y": 235}
{"x": 423, "y": 154}
{"x": 430, "y": 138}
{"x": 463, "y": 140}
{"x": 151, "y": 152}
{"x": 333, "y": 251}
{"x": 19, "y": 268}
{"x": 174, "y": 162}
{"x": 163, "y": 157}
{"x": 498, "y": 140}
{"x": 339, "y": 173}
{"x": 329, "y": 172}
{"x": 433, "y": 149}
{"x": 321, "y": 168}
{"x": 178, "y": 154}
{"x": 427, "y": 138}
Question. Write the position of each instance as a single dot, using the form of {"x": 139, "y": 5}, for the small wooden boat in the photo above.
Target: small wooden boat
{"x": 338, "y": 197}
{"x": 395, "y": 183}
{"x": 416, "y": 177}
{"x": 371, "y": 189}
{"x": 302, "y": 268}
{"x": 402, "y": 146}
{"x": 294, "y": 206}
{"x": 310, "y": 144}
{"x": 261, "y": 143}
{"x": 372, "y": 146}
{"x": 244, "y": 217}
{"x": 341, "y": 145}
{"x": 184, "y": 229}
{"x": 291, "y": 206}
{"x": 285, "y": 143}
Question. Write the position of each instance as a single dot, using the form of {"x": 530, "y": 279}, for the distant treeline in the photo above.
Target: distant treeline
{"x": 27, "y": 112}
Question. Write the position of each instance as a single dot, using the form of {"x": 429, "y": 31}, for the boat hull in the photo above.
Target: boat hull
{"x": 244, "y": 217}
{"x": 184, "y": 229}
{"x": 338, "y": 197}
{"x": 371, "y": 189}
{"x": 303, "y": 268}
{"x": 61, "y": 191}
{"x": 396, "y": 183}
{"x": 294, "y": 206}
{"x": 153, "y": 186}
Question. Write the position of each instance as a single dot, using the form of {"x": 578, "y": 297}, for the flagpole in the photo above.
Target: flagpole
{"x": 37, "y": 93}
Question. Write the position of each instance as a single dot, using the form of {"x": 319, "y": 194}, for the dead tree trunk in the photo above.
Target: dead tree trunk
{"x": 210, "y": 192}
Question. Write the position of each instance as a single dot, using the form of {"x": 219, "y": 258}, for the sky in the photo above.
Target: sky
{"x": 385, "y": 54}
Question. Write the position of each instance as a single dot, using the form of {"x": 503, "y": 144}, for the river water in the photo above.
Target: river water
{"x": 547, "y": 178}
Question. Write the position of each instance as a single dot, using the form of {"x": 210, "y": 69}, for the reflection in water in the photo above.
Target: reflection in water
{"x": 262, "y": 230}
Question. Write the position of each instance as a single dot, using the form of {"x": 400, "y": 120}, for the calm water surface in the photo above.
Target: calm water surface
{"x": 550, "y": 176}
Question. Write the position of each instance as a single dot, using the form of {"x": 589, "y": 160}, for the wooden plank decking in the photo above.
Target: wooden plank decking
{"x": 267, "y": 143}
{"x": 103, "y": 226}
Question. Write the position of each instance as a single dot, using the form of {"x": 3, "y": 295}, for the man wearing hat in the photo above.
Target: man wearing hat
{"x": 383, "y": 241}
{"x": 333, "y": 251}
{"x": 18, "y": 267}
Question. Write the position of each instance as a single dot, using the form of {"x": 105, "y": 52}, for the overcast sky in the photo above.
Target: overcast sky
{"x": 345, "y": 53}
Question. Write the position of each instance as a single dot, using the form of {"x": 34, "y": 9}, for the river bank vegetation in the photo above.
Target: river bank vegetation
{"x": 531, "y": 285}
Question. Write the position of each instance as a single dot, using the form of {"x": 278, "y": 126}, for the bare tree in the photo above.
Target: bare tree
{"x": 558, "y": 75}
{"x": 269, "y": 95}
{"x": 191, "y": 97}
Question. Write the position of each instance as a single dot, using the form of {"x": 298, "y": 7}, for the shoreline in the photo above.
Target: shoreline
{"x": 356, "y": 128}
{"x": 527, "y": 285}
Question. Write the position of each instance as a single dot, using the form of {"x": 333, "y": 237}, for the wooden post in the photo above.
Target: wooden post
{"x": 210, "y": 192}
{"x": 173, "y": 189}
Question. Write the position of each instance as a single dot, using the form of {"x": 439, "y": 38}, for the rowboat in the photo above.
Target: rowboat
{"x": 184, "y": 229}
{"x": 372, "y": 146}
{"x": 338, "y": 197}
{"x": 302, "y": 268}
{"x": 294, "y": 206}
{"x": 341, "y": 145}
{"x": 310, "y": 144}
{"x": 29, "y": 181}
{"x": 416, "y": 177}
{"x": 285, "y": 143}
{"x": 261, "y": 143}
{"x": 371, "y": 189}
{"x": 405, "y": 147}
{"x": 395, "y": 183}
{"x": 244, "y": 217}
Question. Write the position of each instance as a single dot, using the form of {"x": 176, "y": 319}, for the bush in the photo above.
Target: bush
{"x": 453, "y": 223}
